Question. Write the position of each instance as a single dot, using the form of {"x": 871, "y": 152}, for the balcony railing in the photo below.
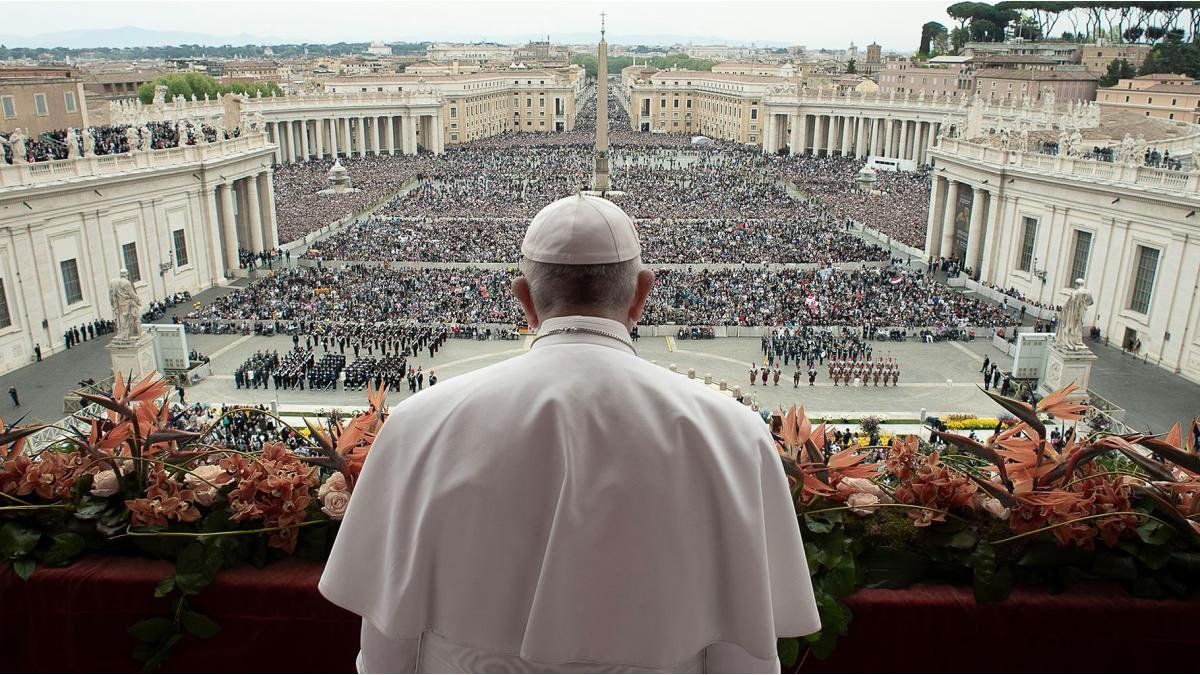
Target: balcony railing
{"x": 25, "y": 175}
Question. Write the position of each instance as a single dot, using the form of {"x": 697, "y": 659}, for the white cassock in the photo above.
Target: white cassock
{"x": 572, "y": 509}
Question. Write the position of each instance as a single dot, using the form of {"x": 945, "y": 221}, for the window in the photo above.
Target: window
{"x": 754, "y": 113}
{"x": 1079, "y": 260}
{"x": 453, "y": 113}
{"x": 1174, "y": 101}
{"x": 130, "y": 257}
{"x": 1029, "y": 237}
{"x": 181, "y": 256}
{"x": 69, "y": 100}
{"x": 70, "y": 279}
{"x": 1143, "y": 279}
{"x": 1149, "y": 100}
{"x": 39, "y": 105}
{"x": 5, "y": 317}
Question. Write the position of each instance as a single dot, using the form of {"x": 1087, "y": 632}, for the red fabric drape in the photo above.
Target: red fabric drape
{"x": 274, "y": 620}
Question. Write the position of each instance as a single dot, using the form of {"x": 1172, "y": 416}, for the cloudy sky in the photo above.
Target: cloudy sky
{"x": 895, "y": 25}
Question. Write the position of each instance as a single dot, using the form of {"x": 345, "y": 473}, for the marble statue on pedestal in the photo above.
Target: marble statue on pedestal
{"x": 16, "y": 141}
{"x": 1070, "y": 322}
{"x": 72, "y": 141}
{"x": 127, "y": 307}
{"x": 131, "y": 137}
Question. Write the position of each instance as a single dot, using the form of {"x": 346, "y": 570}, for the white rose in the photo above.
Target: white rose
{"x": 862, "y": 499}
{"x": 863, "y": 485}
{"x": 334, "y": 503}
{"x": 105, "y": 484}
{"x": 335, "y": 483}
{"x": 998, "y": 510}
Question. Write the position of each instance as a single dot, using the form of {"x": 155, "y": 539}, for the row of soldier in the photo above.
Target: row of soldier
{"x": 864, "y": 371}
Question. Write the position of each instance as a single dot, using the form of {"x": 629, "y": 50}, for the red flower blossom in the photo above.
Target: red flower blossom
{"x": 274, "y": 488}
{"x": 165, "y": 501}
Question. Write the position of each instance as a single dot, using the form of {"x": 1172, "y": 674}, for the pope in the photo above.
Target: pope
{"x": 576, "y": 508}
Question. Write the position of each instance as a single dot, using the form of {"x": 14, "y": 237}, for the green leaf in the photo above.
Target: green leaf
{"x": 17, "y": 540}
{"x": 153, "y": 629}
{"x": 196, "y": 567}
{"x": 24, "y": 567}
{"x": 199, "y": 625}
{"x": 91, "y": 508}
{"x": 1147, "y": 587}
{"x": 66, "y": 548}
{"x": 1154, "y": 532}
{"x": 1110, "y": 566}
{"x": 993, "y": 581}
{"x": 814, "y": 555}
{"x": 164, "y": 587}
{"x": 839, "y": 580}
{"x": 1186, "y": 560}
{"x": 1045, "y": 554}
{"x": 893, "y": 568}
{"x": 818, "y": 524}
{"x": 163, "y": 653}
{"x": 789, "y": 651}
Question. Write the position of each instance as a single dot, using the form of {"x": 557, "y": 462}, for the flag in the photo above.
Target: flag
{"x": 896, "y": 279}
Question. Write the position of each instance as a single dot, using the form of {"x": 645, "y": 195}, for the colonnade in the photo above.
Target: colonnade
{"x": 250, "y": 226}
{"x": 355, "y": 136}
{"x": 959, "y": 231}
{"x": 850, "y": 135}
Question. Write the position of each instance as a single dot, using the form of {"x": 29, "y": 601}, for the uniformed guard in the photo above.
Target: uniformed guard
{"x": 574, "y": 561}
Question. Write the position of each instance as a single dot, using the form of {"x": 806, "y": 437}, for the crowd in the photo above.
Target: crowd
{"x": 245, "y": 429}
{"x": 899, "y": 207}
{"x": 869, "y": 297}
{"x": 109, "y": 140}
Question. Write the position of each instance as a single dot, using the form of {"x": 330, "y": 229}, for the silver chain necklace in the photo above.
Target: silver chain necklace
{"x": 581, "y": 329}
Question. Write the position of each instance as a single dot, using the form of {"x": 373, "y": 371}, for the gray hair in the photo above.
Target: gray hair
{"x": 556, "y": 288}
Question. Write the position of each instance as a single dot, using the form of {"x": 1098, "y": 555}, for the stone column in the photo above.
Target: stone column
{"x": 847, "y": 136}
{"x": 334, "y": 144}
{"x": 249, "y": 198}
{"x": 877, "y": 137}
{"x": 362, "y": 136}
{"x": 439, "y": 134}
{"x": 273, "y": 132}
{"x": 319, "y": 127}
{"x": 975, "y": 231}
{"x": 799, "y": 127}
{"x": 902, "y": 153}
{"x": 266, "y": 193}
{"x": 919, "y": 143}
{"x": 285, "y": 141}
{"x": 995, "y": 208}
{"x": 860, "y": 137}
{"x": 409, "y": 131}
{"x": 390, "y": 135}
{"x": 937, "y": 208}
{"x": 947, "y": 247}
{"x": 831, "y": 136}
{"x": 212, "y": 204}
{"x": 304, "y": 147}
{"x": 888, "y": 127}
{"x": 768, "y": 134}
{"x": 228, "y": 228}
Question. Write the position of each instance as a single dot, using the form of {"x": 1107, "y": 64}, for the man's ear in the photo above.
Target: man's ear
{"x": 645, "y": 282}
{"x": 520, "y": 291}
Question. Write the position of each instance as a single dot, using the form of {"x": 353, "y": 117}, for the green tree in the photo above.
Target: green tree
{"x": 958, "y": 38}
{"x": 1118, "y": 69}
{"x": 929, "y": 31}
{"x": 200, "y": 85}
{"x": 851, "y": 67}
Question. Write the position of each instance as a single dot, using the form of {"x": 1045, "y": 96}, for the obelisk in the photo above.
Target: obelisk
{"x": 600, "y": 173}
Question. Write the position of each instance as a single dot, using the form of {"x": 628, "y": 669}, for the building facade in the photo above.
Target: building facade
{"x": 1036, "y": 223}
{"x": 909, "y": 77}
{"x": 1162, "y": 95}
{"x": 1097, "y": 57}
{"x": 1008, "y": 84}
{"x": 37, "y": 99}
{"x": 175, "y": 219}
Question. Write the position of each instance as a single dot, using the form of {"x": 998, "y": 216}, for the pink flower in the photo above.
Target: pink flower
{"x": 335, "y": 483}
{"x": 205, "y": 480}
{"x": 334, "y": 503}
{"x": 859, "y": 500}
{"x": 992, "y": 506}
{"x": 851, "y": 485}
{"x": 105, "y": 484}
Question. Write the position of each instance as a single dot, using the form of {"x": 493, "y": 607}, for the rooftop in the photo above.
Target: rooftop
{"x": 1006, "y": 74}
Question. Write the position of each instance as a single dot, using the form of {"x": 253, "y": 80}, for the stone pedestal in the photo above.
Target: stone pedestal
{"x": 1064, "y": 366}
{"x": 133, "y": 356}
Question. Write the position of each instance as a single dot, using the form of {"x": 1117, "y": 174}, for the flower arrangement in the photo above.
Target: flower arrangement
{"x": 132, "y": 483}
{"x": 971, "y": 423}
{"x": 1020, "y": 508}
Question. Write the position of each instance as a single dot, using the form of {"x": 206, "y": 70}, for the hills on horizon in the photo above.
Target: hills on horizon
{"x": 130, "y": 36}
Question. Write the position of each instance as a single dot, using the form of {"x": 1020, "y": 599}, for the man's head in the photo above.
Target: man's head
{"x": 581, "y": 256}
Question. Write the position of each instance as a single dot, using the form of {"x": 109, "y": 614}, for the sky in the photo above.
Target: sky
{"x": 895, "y": 25}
